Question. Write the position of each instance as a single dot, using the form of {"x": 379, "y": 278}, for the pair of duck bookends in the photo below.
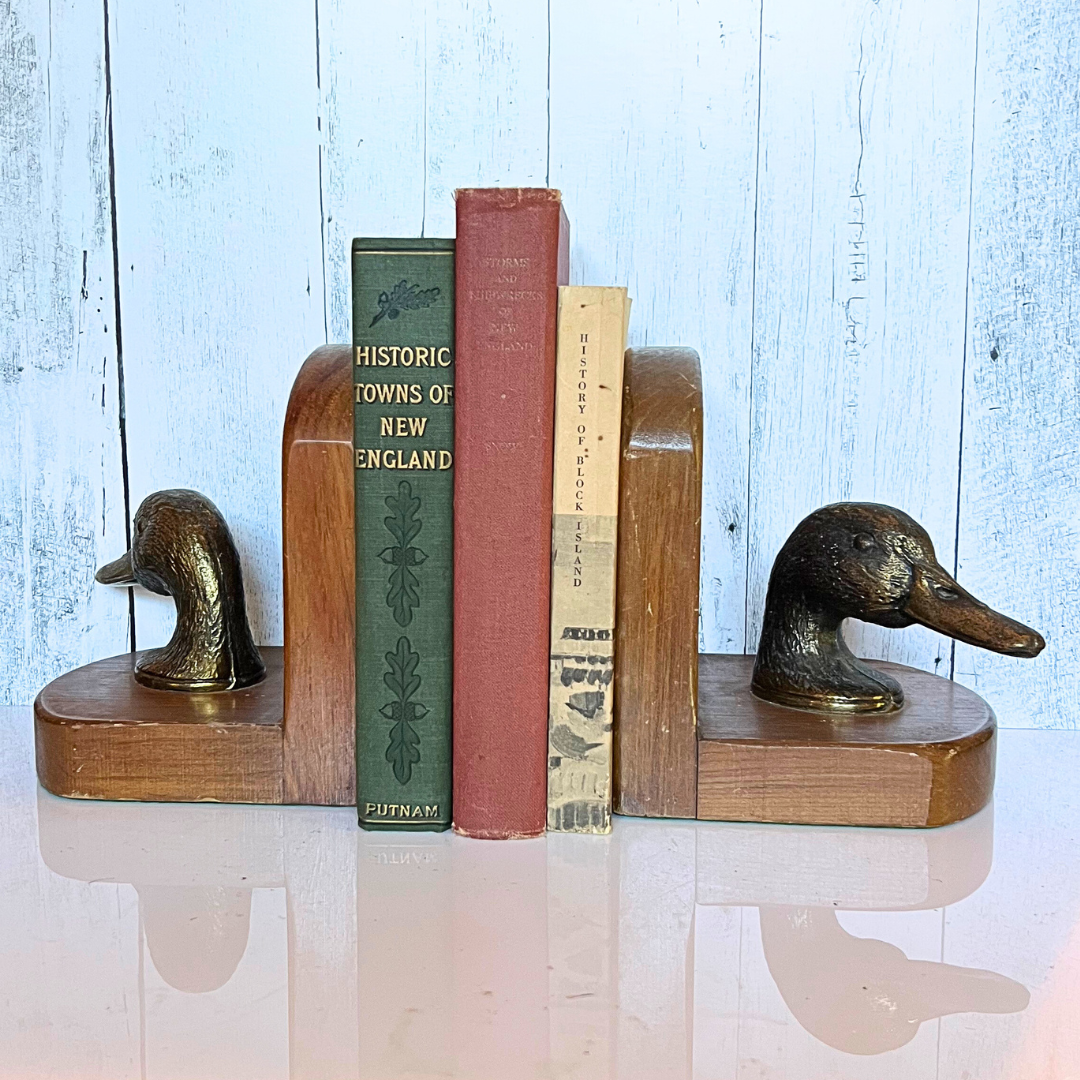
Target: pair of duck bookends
{"x": 803, "y": 732}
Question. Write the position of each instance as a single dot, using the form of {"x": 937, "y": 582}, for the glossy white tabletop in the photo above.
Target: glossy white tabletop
{"x": 206, "y": 941}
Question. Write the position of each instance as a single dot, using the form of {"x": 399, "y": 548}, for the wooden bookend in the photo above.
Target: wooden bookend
{"x": 287, "y": 739}
{"x": 691, "y": 740}
{"x": 656, "y": 671}
{"x": 317, "y": 534}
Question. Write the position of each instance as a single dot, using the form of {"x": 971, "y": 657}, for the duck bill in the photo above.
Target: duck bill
{"x": 118, "y": 572}
{"x": 938, "y": 602}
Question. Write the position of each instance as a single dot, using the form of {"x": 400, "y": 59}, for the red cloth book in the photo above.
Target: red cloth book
{"x": 513, "y": 252}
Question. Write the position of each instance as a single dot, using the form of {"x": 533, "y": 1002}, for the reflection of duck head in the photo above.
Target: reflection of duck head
{"x": 871, "y": 562}
{"x": 181, "y": 547}
{"x": 865, "y": 996}
{"x": 197, "y": 936}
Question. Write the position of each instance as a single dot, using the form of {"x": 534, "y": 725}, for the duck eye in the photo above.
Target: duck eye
{"x": 943, "y": 592}
{"x": 863, "y": 542}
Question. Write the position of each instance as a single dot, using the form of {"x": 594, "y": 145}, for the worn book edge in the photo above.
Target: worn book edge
{"x": 591, "y": 342}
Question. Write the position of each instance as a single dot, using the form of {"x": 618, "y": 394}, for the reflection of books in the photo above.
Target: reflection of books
{"x": 588, "y": 411}
{"x": 404, "y": 912}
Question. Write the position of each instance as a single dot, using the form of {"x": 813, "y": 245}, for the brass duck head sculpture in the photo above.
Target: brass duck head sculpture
{"x": 871, "y": 562}
{"x": 181, "y": 547}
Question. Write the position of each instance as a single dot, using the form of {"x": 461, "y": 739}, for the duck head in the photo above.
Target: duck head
{"x": 870, "y": 562}
{"x": 181, "y": 547}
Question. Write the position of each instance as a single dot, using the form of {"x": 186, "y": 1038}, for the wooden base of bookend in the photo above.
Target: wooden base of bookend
{"x": 929, "y": 764}
{"x": 102, "y": 735}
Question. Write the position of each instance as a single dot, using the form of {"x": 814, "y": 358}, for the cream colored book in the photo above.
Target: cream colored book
{"x": 588, "y": 414}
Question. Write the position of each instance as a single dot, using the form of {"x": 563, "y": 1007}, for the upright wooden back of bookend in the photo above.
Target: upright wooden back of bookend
{"x": 320, "y": 583}
{"x": 656, "y": 637}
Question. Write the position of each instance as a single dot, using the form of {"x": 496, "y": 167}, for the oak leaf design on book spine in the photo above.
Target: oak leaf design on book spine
{"x": 403, "y": 752}
{"x": 404, "y": 526}
{"x": 403, "y": 297}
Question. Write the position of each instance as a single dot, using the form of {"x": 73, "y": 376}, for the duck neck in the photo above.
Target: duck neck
{"x": 212, "y": 641}
{"x": 200, "y": 641}
{"x": 804, "y": 662}
{"x": 800, "y": 629}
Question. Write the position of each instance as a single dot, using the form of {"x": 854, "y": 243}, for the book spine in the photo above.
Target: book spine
{"x": 512, "y": 254}
{"x": 588, "y": 416}
{"x": 403, "y": 433}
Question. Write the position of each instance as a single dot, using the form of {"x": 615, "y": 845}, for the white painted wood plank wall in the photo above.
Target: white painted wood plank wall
{"x": 860, "y": 212}
{"x": 865, "y": 152}
{"x": 61, "y": 484}
{"x": 1019, "y": 530}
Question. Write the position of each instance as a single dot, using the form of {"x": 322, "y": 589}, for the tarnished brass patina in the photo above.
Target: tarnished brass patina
{"x": 181, "y": 547}
{"x": 871, "y": 562}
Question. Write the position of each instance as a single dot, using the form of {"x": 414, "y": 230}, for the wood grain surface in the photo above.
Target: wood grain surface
{"x": 1020, "y": 474}
{"x": 101, "y": 735}
{"x": 62, "y": 508}
{"x": 656, "y": 605}
{"x": 821, "y": 199}
{"x": 320, "y": 583}
{"x": 929, "y": 764}
{"x": 861, "y": 247}
{"x": 217, "y": 189}
{"x": 654, "y": 144}
{"x": 455, "y": 95}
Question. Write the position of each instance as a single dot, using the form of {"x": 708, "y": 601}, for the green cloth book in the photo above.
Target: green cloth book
{"x": 403, "y": 444}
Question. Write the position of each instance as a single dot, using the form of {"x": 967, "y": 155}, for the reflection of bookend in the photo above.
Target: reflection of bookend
{"x": 194, "y": 882}
{"x": 213, "y": 911}
{"x": 819, "y": 737}
{"x": 843, "y": 868}
{"x": 119, "y": 728}
{"x": 862, "y": 995}
{"x": 854, "y": 992}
